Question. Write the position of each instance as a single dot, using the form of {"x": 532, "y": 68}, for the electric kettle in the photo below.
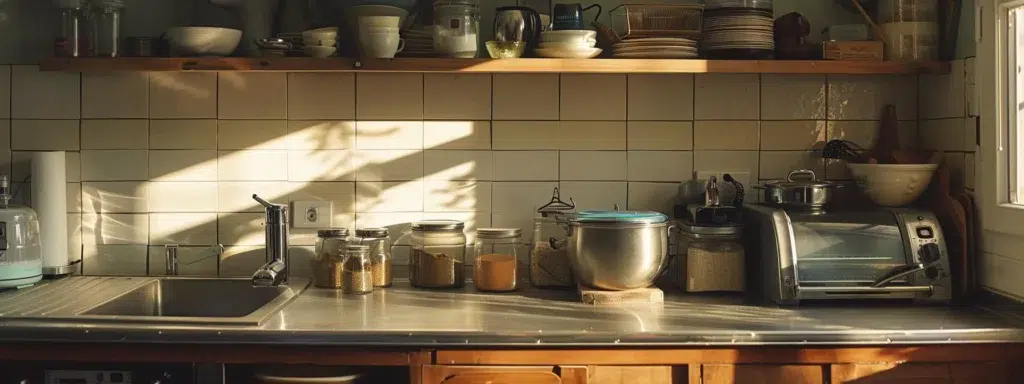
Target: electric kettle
{"x": 21, "y": 262}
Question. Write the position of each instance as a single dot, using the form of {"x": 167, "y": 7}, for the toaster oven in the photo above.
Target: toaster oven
{"x": 878, "y": 253}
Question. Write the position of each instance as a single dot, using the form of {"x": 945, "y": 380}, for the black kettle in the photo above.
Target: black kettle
{"x": 517, "y": 23}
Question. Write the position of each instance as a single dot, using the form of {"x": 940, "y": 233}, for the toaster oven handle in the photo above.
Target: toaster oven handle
{"x": 900, "y": 272}
{"x": 863, "y": 289}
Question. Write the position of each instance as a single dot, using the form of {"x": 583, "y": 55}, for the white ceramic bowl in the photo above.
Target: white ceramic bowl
{"x": 379, "y": 21}
{"x": 567, "y": 45}
{"x": 577, "y": 53}
{"x": 319, "y": 52}
{"x": 579, "y": 36}
{"x": 355, "y": 12}
{"x": 892, "y": 185}
{"x": 203, "y": 41}
{"x": 326, "y": 37}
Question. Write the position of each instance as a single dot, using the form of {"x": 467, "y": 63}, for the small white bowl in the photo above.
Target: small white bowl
{"x": 577, "y": 53}
{"x": 569, "y": 36}
{"x": 892, "y": 185}
{"x": 326, "y": 37}
{"x": 319, "y": 52}
{"x": 567, "y": 45}
{"x": 379, "y": 21}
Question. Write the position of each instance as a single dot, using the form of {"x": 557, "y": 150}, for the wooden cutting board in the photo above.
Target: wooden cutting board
{"x": 952, "y": 218}
{"x": 971, "y": 246}
{"x": 650, "y": 295}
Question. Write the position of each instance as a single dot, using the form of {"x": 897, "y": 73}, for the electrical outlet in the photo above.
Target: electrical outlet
{"x": 311, "y": 214}
{"x": 726, "y": 190}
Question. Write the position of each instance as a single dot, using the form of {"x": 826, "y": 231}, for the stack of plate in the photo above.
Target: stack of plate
{"x": 568, "y": 44}
{"x": 655, "y": 48}
{"x": 419, "y": 42}
{"x": 738, "y": 33}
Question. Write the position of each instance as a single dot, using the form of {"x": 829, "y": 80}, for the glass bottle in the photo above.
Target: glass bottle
{"x": 438, "y": 254}
{"x": 328, "y": 257}
{"x": 380, "y": 254}
{"x": 496, "y": 251}
{"x": 74, "y": 36}
{"x": 106, "y": 27}
{"x": 456, "y": 28}
{"x": 357, "y": 276}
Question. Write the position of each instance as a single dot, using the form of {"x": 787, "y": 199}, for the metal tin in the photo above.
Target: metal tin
{"x": 798, "y": 194}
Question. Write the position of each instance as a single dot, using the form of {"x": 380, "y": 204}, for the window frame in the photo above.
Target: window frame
{"x": 993, "y": 75}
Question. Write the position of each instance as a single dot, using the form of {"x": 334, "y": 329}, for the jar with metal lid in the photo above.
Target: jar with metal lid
{"x": 438, "y": 254}
{"x": 356, "y": 275}
{"x": 549, "y": 265}
{"x": 328, "y": 257}
{"x": 380, "y": 254}
{"x": 106, "y": 26}
{"x": 711, "y": 259}
{"x": 73, "y": 39}
{"x": 456, "y": 28}
{"x": 495, "y": 266}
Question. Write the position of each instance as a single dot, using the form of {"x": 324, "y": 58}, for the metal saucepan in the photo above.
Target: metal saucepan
{"x": 807, "y": 194}
{"x": 617, "y": 250}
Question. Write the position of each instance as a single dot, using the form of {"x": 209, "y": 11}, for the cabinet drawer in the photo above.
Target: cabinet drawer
{"x": 450, "y": 374}
{"x": 761, "y": 374}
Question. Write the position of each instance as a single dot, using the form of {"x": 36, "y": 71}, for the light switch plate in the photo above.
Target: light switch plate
{"x": 726, "y": 189}
{"x": 311, "y": 214}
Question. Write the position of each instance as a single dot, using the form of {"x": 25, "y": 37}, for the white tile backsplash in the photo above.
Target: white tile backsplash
{"x": 44, "y": 95}
{"x": 120, "y": 95}
{"x": 391, "y": 148}
{"x": 456, "y": 96}
{"x": 115, "y": 134}
{"x": 660, "y": 97}
{"x": 321, "y": 96}
{"x": 252, "y": 95}
{"x": 592, "y": 97}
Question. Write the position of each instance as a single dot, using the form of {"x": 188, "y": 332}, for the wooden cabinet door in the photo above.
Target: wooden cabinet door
{"x": 891, "y": 373}
{"x": 451, "y": 374}
{"x": 761, "y": 374}
{"x": 630, "y": 374}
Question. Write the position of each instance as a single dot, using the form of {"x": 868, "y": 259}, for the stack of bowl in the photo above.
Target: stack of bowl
{"x": 320, "y": 42}
{"x": 568, "y": 44}
{"x": 378, "y": 36}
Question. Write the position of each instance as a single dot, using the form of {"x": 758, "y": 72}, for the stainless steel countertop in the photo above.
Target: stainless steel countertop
{"x": 402, "y": 316}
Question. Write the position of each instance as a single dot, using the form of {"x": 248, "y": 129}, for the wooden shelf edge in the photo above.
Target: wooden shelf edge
{"x": 300, "y": 64}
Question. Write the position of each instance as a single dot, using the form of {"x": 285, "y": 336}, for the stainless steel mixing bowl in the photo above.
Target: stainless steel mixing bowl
{"x": 618, "y": 255}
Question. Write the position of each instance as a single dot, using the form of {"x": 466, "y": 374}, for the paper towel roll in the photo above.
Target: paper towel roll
{"x": 49, "y": 199}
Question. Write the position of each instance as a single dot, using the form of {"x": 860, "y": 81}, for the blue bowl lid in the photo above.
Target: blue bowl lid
{"x": 620, "y": 217}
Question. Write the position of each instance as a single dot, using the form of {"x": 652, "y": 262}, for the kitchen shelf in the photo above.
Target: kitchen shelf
{"x": 298, "y": 64}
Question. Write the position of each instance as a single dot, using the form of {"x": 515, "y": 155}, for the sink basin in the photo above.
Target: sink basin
{"x": 196, "y": 300}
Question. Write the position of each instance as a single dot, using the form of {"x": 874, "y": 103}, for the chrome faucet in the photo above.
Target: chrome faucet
{"x": 275, "y": 271}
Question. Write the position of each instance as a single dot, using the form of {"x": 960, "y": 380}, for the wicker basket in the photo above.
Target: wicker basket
{"x": 657, "y": 20}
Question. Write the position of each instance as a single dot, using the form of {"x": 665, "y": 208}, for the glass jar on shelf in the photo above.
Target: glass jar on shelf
{"x": 357, "y": 276}
{"x": 549, "y": 261}
{"x": 456, "y": 28}
{"x": 328, "y": 257}
{"x": 106, "y": 24}
{"x": 379, "y": 241}
{"x": 438, "y": 256}
{"x": 73, "y": 39}
{"x": 496, "y": 259}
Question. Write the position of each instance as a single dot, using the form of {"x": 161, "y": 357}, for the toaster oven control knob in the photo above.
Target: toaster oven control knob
{"x": 929, "y": 253}
{"x": 931, "y": 272}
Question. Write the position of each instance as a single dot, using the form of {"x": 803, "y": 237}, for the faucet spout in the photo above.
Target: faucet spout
{"x": 275, "y": 271}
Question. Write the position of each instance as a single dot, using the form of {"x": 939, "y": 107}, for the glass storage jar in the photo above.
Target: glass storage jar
{"x": 379, "y": 242}
{"x": 549, "y": 266}
{"x": 438, "y": 256}
{"x": 328, "y": 257}
{"x": 496, "y": 252}
{"x": 357, "y": 276}
{"x": 106, "y": 24}
{"x": 456, "y": 28}
{"x": 74, "y": 37}
{"x": 712, "y": 259}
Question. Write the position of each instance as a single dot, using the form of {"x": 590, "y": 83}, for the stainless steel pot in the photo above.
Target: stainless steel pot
{"x": 617, "y": 250}
{"x": 810, "y": 194}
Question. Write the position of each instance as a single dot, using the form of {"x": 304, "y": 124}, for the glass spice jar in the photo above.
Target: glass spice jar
{"x": 357, "y": 276}
{"x": 496, "y": 251}
{"x": 438, "y": 254}
{"x": 712, "y": 259}
{"x": 379, "y": 241}
{"x": 328, "y": 257}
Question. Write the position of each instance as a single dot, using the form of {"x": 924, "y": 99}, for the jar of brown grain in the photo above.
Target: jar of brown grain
{"x": 496, "y": 251}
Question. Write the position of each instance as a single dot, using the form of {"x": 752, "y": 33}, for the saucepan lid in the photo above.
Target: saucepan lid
{"x": 811, "y": 181}
{"x": 634, "y": 217}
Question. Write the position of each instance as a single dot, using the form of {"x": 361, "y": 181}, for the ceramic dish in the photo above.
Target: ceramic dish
{"x": 656, "y": 55}
{"x": 579, "y": 53}
{"x": 567, "y": 45}
{"x": 567, "y": 36}
{"x": 655, "y": 49}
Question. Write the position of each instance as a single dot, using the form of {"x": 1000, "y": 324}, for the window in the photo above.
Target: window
{"x": 1000, "y": 74}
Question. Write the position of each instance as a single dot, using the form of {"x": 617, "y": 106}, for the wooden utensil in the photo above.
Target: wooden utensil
{"x": 971, "y": 245}
{"x": 879, "y": 35}
{"x": 888, "y": 137}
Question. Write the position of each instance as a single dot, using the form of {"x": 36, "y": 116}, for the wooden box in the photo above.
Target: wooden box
{"x": 853, "y": 50}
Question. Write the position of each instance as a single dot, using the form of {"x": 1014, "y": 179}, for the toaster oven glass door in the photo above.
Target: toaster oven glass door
{"x": 846, "y": 248}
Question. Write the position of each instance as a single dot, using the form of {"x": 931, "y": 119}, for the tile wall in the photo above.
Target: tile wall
{"x": 173, "y": 158}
